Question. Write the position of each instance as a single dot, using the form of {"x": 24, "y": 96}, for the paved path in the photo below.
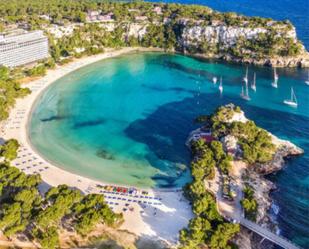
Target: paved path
{"x": 280, "y": 241}
{"x": 232, "y": 210}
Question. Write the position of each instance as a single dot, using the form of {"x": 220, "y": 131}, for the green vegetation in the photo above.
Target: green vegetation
{"x": 9, "y": 90}
{"x": 9, "y": 149}
{"x": 208, "y": 227}
{"x": 249, "y": 204}
{"x": 163, "y": 30}
{"x": 24, "y": 210}
{"x": 255, "y": 142}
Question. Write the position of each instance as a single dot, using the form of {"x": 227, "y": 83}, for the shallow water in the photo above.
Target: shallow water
{"x": 125, "y": 120}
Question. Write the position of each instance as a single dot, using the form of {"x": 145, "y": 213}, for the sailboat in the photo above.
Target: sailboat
{"x": 220, "y": 86}
{"x": 246, "y": 77}
{"x": 292, "y": 101}
{"x": 214, "y": 80}
{"x": 253, "y": 85}
{"x": 307, "y": 81}
{"x": 245, "y": 95}
{"x": 276, "y": 78}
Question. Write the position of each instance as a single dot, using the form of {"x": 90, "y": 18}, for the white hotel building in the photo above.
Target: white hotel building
{"x": 23, "y": 48}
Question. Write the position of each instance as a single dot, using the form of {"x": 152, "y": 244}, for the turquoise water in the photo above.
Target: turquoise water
{"x": 292, "y": 195}
{"x": 125, "y": 120}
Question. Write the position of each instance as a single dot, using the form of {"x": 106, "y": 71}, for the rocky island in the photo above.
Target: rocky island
{"x": 231, "y": 155}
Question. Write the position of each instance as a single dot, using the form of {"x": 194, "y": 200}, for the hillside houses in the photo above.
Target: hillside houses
{"x": 97, "y": 16}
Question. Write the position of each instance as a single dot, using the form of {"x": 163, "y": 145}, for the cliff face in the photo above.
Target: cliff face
{"x": 222, "y": 41}
{"x": 285, "y": 149}
{"x": 232, "y": 43}
{"x": 200, "y": 31}
{"x": 217, "y": 34}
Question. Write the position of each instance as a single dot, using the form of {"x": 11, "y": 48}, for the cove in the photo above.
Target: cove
{"x": 125, "y": 120}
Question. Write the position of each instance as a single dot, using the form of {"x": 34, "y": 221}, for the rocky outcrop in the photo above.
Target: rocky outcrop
{"x": 137, "y": 30}
{"x": 241, "y": 43}
{"x": 242, "y": 174}
{"x": 220, "y": 38}
{"x": 285, "y": 149}
{"x": 217, "y": 34}
{"x": 263, "y": 187}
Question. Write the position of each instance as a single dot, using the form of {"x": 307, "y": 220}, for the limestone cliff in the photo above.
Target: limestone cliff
{"x": 198, "y": 31}
{"x": 243, "y": 44}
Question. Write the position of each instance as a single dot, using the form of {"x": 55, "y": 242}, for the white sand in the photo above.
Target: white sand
{"x": 172, "y": 211}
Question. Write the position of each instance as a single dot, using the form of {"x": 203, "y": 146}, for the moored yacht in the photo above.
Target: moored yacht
{"x": 253, "y": 85}
{"x": 220, "y": 86}
{"x": 246, "y": 76}
{"x": 292, "y": 101}
{"x": 276, "y": 78}
{"x": 245, "y": 94}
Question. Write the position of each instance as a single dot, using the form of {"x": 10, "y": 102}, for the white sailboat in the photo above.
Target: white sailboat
{"x": 245, "y": 95}
{"x": 307, "y": 81}
{"x": 246, "y": 77}
{"x": 220, "y": 86}
{"x": 276, "y": 78}
{"x": 292, "y": 101}
{"x": 214, "y": 80}
{"x": 253, "y": 85}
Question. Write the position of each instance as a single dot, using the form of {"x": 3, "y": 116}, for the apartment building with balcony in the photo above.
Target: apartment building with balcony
{"x": 21, "y": 48}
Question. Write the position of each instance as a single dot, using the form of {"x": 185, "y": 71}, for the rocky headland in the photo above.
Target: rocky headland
{"x": 241, "y": 43}
{"x": 230, "y": 126}
{"x": 186, "y": 29}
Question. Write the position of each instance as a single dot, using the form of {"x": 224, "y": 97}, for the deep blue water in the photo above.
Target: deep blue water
{"x": 125, "y": 120}
{"x": 297, "y": 11}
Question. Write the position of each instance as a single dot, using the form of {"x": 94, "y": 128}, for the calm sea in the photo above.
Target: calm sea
{"x": 125, "y": 120}
{"x": 293, "y": 194}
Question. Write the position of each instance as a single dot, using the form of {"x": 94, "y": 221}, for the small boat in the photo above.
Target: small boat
{"x": 214, "y": 80}
{"x": 220, "y": 86}
{"x": 307, "y": 81}
{"x": 292, "y": 101}
{"x": 245, "y": 95}
{"x": 253, "y": 85}
{"x": 274, "y": 84}
{"x": 276, "y": 78}
{"x": 246, "y": 77}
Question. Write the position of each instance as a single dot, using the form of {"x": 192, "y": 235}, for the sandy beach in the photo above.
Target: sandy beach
{"x": 158, "y": 214}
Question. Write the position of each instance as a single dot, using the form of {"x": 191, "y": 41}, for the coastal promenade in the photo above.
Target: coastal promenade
{"x": 145, "y": 215}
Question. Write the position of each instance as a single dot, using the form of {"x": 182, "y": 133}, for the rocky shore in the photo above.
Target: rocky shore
{"x": 225, "y": 36}
{"x": 242, "y": 174}
{"x": 263, "y": 187}
{"x": 229, "y": 38}
{"x": 194, "y": 36}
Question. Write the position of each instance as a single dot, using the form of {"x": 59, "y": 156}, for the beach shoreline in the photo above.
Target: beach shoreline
{"x": 145, "y": 218}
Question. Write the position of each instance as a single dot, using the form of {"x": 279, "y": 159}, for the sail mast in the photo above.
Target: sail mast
{"x": 293, "y": 96}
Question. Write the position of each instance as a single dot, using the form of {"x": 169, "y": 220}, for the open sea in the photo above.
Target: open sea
{"x": 125, "y": 120}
